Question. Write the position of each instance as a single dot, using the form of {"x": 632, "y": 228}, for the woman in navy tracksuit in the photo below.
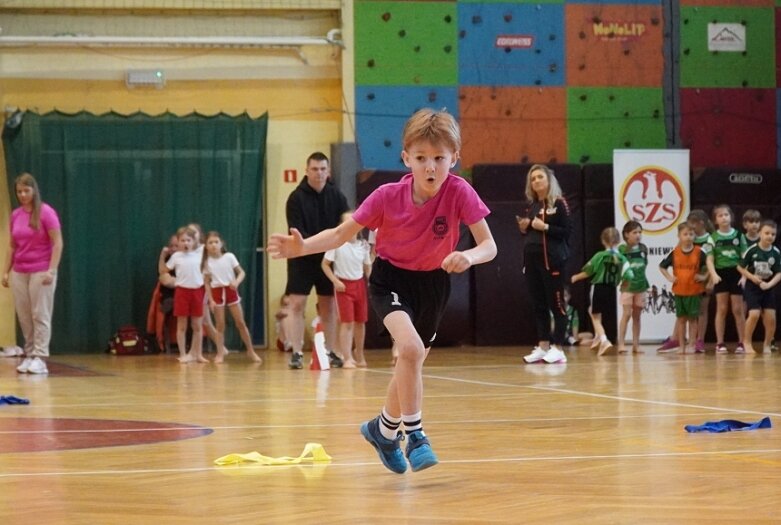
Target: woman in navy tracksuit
{"x": 548, "y": 227}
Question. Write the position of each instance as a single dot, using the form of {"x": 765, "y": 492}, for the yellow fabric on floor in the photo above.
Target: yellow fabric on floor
{"x": 313, "y": 452}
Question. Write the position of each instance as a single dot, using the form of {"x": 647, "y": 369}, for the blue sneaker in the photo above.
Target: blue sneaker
{"x": 419, "y": 451}
{"x": 388, "y": 449}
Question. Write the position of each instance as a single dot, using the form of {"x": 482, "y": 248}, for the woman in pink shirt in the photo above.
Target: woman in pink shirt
{"x": 31, "y": 270}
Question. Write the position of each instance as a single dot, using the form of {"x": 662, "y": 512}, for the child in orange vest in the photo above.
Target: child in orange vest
{"x": 686, "y": 260}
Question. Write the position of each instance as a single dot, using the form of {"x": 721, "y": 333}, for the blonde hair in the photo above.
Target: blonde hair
{"x": 554, "y": 190}
{"x": 187, "y": 230}
{"x": 25, "y": 179}
{"x": 610, "y": 236}
{"x": 436, "y": 127}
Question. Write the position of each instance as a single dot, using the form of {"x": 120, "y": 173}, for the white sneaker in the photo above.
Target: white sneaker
{"x": 537, "y": 355}
{"x": 38, "y": 366}
{"x": 12, "y": 351}
{"x": 25, "y": 366}
{"x": 554, "y": 355}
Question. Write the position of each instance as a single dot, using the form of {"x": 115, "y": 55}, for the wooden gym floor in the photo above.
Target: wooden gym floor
{"x": 132, "y": 440}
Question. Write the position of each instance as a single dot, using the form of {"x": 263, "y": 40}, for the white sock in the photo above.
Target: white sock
{"x": 412, "y": 422}
{"x": 389, "y": 425}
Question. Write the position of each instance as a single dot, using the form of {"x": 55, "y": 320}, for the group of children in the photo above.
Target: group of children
{"x": 347, "y": 267}
{"x": 203, "y": 273}
{"x": 740, "y": 269}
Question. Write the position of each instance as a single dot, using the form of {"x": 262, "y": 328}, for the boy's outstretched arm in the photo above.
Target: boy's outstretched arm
{"x": 485, "y": 250}
{"x": 282, "y": 246}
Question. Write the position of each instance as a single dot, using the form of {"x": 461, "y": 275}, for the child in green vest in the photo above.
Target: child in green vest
{"x": 606, "y": 269}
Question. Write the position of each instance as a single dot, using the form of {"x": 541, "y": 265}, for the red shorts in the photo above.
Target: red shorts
{"x": 352, "y": 303}
{"x": 225, "y": 296}
{"x": 188, "y": 302}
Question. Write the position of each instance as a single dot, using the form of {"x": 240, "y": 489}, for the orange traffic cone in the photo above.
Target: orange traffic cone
{"x": 319, "y": 354}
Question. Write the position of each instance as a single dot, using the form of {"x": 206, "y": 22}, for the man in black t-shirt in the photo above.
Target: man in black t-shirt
{"x": 315, "y": 205}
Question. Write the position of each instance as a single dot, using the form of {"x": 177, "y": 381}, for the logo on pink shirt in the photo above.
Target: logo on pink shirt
{"x": 440, "y": 227}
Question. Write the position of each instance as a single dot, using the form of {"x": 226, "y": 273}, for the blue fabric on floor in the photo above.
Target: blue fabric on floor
{"x": 13, "y": 400}
{"x": 728, "y": 425}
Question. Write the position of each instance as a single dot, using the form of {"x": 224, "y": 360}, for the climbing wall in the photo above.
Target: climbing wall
{"x": 754, "y": 67}
{"x": 405, "y": 43}
{"x": 507, "y": 71}
{"x": 730, "y": 127}
{"x": 504, "y": 44}
{"x": 614, "y": 45}
{"x": 569, "y": 81}
{"x": 512, "y": 124}
{"x": 728, "y": 100}
{"x": 381, "y": 113}
{"x": 602, "y": 119}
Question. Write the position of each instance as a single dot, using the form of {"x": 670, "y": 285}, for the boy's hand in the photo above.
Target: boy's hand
{"x": 285, "y": 246}
{"x": 456, "y": 262}
{"x": 700, "y": 277}
{"x": 673, "y": 279}
{"x": 234, "y": 284}
{"x": 339, "y": 286}
{"x": 715, "y": 279}
{"x": 764, "y": 285}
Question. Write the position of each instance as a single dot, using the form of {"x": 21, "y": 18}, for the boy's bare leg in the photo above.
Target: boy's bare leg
{"x": 680, "y": 325}
{"x": 693, "y": 325}
{"x": 769, "y": 322}
{"x": 748, "y": 331}
{"x": 405, "y": 391}
{"x": 346, "y": 344}
{"x": 359, "y": 334}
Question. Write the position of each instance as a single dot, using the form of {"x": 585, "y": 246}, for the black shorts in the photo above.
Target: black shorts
{"x": 305, "y": 272}
{"x": 758, "y": 299}
{"x": 602, "y": 296}
{"x": 422, "y": 295}
{"x": 729, "y": 281}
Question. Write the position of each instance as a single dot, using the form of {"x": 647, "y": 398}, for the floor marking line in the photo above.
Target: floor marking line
{"x": 364, "y": 464}
{"x": 356, "y": 424}
{"x": 604, "y": 396}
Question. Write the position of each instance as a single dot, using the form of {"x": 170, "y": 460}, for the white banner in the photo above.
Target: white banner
{"x": 652, "y": 188}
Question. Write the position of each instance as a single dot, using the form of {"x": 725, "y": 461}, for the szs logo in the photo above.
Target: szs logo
{"x": 745, "y": 178}
{"x": 652, "y": 196}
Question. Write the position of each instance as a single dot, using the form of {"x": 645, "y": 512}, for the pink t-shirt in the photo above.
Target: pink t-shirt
{"x": 32, "y": 248}
{"x": 419, "y": 237}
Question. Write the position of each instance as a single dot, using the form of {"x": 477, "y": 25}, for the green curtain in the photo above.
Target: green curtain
{"x": 121, "y": 186}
